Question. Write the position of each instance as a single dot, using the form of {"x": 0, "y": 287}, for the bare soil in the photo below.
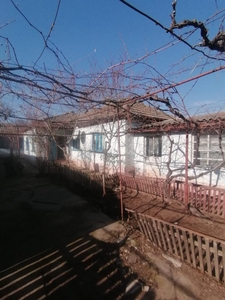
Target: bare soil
{"x": 207, "y": 224}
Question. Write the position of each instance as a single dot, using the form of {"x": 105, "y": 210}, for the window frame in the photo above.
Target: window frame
{"x": 155, "y": 142}
{"x": 77, "y": 143}
{"x": 27, "y": 144}
{"x": 205, "y": 148}
{"x": 97, "y": 147}
{"x": 33, "y": 148}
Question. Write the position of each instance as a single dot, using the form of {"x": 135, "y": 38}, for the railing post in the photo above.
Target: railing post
{"x": 186, "y": 190}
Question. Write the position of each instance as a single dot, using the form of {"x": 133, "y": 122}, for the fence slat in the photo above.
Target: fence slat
{"x": 223, "y": 262}
{"x": 139, "y": 223}
{"x": 168, "y": 238}
{"x": 220, "y": 203}
{"x": 209, "y": 266}
{"x": 200, "y": 254}
{"x": 144, "y": 227}
{"x": 173, "y": 239}
{"x": 209, "y": 199}
{"x": 157, "y": 233}
{"x": 147, "y": 228}
{"x": 186, "y": 246}
{"x": 191, "y": 237}
{"x": 223, "y": 208}
{"x": 216, "y": 260}
{"x": 162, "y": 236}
{"x": 153, "y": 233}
{"x": 179, "y": 243}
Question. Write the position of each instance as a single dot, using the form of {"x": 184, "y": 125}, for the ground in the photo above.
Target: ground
{"x": 175, "y": 213}
{"x": 56, "y": 245}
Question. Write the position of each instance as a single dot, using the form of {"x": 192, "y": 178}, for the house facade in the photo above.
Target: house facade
{"x": 102, "y": 141}
{"x": 175, "y": 149}
{"x": 140, "y": 140}
{"x": 44, "y": 143}
{"x": 96, "y": 147}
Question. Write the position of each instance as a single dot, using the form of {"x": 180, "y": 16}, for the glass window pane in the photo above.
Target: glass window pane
{"x": 153, "y": 146}
{"x": 97, "y": 142}
{"x": 203, "y": 154}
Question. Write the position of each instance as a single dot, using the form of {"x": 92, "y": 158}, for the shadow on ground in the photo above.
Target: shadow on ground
{"x": 55, "y": 245}
{"x": 86, "y": 268}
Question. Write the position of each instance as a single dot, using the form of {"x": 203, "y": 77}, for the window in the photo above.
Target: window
{"x": 208, "y": 152}
{"x": 153, "y": 146}
{"x": 83, "y": 137}
{"x": 76, "y": 143}
{"x": 33, "y": 145}
{"x": 27, "y": 144}
{"x": 97, "y": 142}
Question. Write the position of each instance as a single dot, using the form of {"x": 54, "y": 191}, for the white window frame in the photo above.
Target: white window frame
{"x": 155, "y": 142}
{"x": 204, "y": 156}
{"x": 98, "y": 142}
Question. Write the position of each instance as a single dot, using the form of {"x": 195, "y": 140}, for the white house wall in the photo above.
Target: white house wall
{"x": 157, "y": 166}
{"x": 30, "y": 146}
{"x": 37, "y": 146}
{"x": 85, "y": 157}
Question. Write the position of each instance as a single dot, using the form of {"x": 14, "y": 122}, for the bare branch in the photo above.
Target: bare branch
{"x": 170, "y": 30}
{"x": 217, "y": 43}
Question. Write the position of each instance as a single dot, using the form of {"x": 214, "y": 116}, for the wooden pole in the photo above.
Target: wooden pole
{"x": 186, "y": 191}
{"x": 119, "y": 153}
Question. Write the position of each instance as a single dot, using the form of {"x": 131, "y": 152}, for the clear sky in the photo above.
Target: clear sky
{"x": 98, "y": 33}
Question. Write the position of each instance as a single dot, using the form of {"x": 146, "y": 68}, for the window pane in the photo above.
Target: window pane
{"x": 76, "y": 143}
{"x": 215, "y": 155}
{"x": 27, "y": 143}
{"x": 202, "y": 162}
{"x": 203, "y": 139}
{"x": 209, "y": 152}
{"x": 149, "y": 146}
{"x": 97, "y": 142}
{"x": 202, "y": 154}
{"x": 203, "y": 145}
{"x": 153, "y": 146}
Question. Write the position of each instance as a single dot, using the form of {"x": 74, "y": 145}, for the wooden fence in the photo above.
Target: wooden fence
{"x": 205, "y": 198}
{"x": 87, "y": 179}
{"x": 200, "y": 251}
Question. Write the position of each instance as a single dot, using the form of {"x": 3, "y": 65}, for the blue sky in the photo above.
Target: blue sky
{"x": 98, "y": 33}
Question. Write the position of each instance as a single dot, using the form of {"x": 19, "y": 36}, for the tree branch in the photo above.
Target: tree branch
{"x": 217, "y": 43}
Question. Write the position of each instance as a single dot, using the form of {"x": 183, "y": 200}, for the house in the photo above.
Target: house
{"x": 138, "y": 139}
{"x": 101, "y": 140}
{"x": 97, "y": 139}
{"x": 176, "y": 149}
{"x": 46, "y": 140}
{"x": 11, "y": 136}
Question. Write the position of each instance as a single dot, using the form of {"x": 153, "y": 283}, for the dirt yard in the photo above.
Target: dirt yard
{"x": 56, "y": 245}
{"x": 174, "y": 213}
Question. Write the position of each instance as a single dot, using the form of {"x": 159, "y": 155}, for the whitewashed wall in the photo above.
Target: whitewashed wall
{"x": 36, "y": 146}
{"x": 87, "y": 158}
{"x": 30, "y": 147}
{"x": 156, "y": 166}
{"x": 133, "y": 151}
{"x": 29, "y": 144}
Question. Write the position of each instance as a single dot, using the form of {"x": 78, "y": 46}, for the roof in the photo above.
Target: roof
{"x": 12, "y": 129}
{"x": 210, "y": 121}
{"x": 137, "y": 112}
